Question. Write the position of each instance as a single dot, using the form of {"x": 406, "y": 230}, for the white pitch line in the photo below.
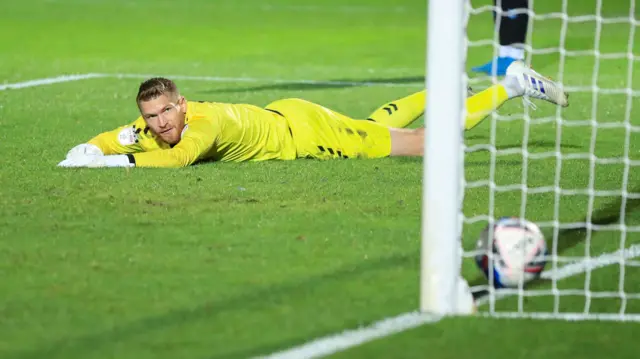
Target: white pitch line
{"x": 350, "y": 338}
{"x": 68, "y": 78}
{"x": 587, "y": 264}
{"x": 48, "y": 81}
{"x": 576, "y": 268}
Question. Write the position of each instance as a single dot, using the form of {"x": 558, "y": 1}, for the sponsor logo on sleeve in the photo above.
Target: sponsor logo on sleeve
{"x": 127, "y": 136}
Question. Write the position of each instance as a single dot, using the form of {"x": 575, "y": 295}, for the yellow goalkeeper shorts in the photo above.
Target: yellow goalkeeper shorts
{"x": 321, "y": 133}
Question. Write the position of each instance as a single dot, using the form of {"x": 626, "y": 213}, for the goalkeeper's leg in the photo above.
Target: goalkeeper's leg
{"x": 520, "y": 80}
{"x": 402, "y": 112}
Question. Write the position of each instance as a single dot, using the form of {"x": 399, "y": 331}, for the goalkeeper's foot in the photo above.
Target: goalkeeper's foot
{"x": 534, "y": 85}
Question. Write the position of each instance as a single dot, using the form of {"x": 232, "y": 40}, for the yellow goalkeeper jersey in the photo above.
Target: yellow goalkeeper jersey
{"x": 213, "y": 132}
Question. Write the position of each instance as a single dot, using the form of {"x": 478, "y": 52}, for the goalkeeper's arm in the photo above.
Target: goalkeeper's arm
{"x": 121, "y": 140}
{"x": 198, "y": 140}
{"x": 190, "y": 149}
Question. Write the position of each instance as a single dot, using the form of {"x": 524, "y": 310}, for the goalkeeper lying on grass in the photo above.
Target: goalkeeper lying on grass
{"x": 174, "y": 132}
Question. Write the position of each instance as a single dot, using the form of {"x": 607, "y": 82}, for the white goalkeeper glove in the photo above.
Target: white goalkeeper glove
{"x": 84, "y": 150}
{"x": 88, "y": 155}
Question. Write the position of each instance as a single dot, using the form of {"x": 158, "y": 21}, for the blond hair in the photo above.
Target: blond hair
{"x": 156, "y": 87}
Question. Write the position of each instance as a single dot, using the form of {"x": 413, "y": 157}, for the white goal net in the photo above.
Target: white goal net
{"x": 572, "y": 171}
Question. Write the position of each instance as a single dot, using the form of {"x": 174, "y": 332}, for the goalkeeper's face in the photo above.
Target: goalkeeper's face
{"x": 165, "y": 116}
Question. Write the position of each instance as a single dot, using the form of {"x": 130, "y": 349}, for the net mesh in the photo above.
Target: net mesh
{"x": 572, "y": 171}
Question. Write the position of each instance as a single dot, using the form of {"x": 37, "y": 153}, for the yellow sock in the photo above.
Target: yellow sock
{"x": 401, "y": 113}
{"x": 480, "y": 105}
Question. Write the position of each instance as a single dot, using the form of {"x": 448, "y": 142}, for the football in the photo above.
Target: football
{"x": 519, "y": 252}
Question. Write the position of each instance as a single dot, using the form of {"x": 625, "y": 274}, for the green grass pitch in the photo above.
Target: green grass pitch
{"x": 239, "y": 260}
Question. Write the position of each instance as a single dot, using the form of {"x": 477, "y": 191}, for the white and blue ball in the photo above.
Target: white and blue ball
{"x": 519, "y": 252}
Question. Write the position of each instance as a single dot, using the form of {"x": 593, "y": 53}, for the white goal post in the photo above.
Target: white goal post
{"x": 573, "y": 286}
{"x": 440, "y": 257}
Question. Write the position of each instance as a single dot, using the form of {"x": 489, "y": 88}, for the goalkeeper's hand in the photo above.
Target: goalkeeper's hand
{"x": 81, "y": 155}
{"x": 83, "y": 150}
{"x": 88, "y": 155}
